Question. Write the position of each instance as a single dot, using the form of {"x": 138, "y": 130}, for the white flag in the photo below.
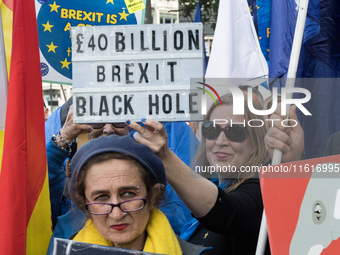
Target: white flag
{"x": 236, "y": 52}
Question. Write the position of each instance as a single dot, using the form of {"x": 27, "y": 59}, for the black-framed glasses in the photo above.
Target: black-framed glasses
{"x": 235, "y": 133}
{"x": 101, "y": 125}
{"x": 126, "y": 206}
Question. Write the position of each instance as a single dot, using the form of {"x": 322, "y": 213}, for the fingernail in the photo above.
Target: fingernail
{"x": 135, "y": 135}
{"x": 128, "y": 122}
{"x": 143, "y": 120}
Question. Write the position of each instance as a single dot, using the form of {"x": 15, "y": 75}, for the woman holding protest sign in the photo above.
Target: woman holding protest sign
{"x": 228, "y": 216}
{"x": 118, "y": 183}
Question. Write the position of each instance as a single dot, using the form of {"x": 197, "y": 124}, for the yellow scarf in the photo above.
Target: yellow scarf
{"x": 160, "y": 236}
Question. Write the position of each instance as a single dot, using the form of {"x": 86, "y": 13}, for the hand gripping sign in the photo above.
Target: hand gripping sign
{"x": 136, "y": 71}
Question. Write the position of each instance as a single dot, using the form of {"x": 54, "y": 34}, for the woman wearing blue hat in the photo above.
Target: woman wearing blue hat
{"x": 118, "y": 183}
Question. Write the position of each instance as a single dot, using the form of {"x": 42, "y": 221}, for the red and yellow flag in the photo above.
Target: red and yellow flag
{"x": 25, "y": 214}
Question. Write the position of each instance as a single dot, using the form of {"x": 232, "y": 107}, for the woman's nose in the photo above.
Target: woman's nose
{"x": 117, "y": 213}
{"x": 222, "y": 140}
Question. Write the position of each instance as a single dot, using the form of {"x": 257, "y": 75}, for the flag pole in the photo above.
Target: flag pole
{"x": 3, "y": 88}
{"x": 294, "y": 61}
{"x": 3, "y": 67}
{"x": 3, "y": 79}
{"x": 302, "y": 7}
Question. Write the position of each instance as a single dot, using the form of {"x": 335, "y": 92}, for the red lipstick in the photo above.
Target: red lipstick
{"x": 119, "y": 227}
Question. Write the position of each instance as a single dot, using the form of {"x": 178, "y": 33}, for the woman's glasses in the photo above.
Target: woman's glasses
{"x": 126, "y": 206}
{"x": 101, "y": 125}
{"x": 235, "y": 133}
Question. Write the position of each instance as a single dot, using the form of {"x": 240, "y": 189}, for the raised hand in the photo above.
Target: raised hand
{"x": 152, "y": 135}
{"x": 70, "y": 130}
{"x": 289, "y": 140}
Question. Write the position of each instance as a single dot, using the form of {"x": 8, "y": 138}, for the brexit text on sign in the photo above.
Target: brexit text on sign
{"x": 56, "y": 17}
{"x": 136, "y": 71}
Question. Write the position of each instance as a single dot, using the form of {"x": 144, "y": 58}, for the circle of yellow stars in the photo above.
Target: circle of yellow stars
{"x": 48, "y": 26}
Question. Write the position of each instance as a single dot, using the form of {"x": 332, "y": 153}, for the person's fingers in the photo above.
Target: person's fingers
{"x": 293, "y": 118}
{"x": 278, "y": 110}
{"x": 72, "y": 130}
{"x": 272, "y": 143}
{"x": 69, "y": 118}
{"x": 276, "y": 122}
{"x": 86, "y": 127}
{"x": 153, "y": 125}
{"x": 156, "y": 139}
{"x": 70, "y": 111}
{"x": 137, "y": 136}
{"x": 279, "y": 135}
{"x": 146, "y": 124}
{"x": 292, "y": 112}
{"x": 140, "y": 139}
{"x": 143, "y": 134}
{"x": 139, "y": 128}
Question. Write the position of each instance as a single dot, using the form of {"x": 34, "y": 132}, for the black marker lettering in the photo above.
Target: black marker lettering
{"x": 100, "y": 73}
{"x": 116, "y": 67}
{"x": 177, "y": 104}
{"x": 180, "y": 46}
{"x": 151, "y": 104}
{"x": 192, "y": 39}
{"x": 167, "y": 96}
{"x": 80, "y": 106}
{"x": 128, "y": 74}
{"x": 171, "y": 64}
{"x": 143, "y": 72}
{"x": 120, "y": 38}
{"x": 127, "y": 104}
{"x": 114, "y": 105}
{"x": 103, "y": 106}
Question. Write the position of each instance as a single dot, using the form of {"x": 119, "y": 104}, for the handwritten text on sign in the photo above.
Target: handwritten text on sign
{"x": 145, "y": 62}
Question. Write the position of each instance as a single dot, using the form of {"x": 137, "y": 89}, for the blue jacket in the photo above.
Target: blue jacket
{"x": 182, "y": 141}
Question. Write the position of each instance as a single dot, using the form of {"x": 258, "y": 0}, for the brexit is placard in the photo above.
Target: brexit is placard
{"x": 56, "y": 17}
{"x": 137, "y": 71}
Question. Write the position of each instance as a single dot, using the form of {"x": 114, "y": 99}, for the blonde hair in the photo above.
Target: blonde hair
{"x": 259, "y": 155}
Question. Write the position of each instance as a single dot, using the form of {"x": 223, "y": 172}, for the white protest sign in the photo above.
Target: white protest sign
{"x": 136, "y": 71}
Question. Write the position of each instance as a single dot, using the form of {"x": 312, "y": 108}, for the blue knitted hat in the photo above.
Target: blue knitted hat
{"x": 120, "y": 144}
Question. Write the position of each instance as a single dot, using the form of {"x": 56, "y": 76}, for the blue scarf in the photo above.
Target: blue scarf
{"x": 190, "y": 227}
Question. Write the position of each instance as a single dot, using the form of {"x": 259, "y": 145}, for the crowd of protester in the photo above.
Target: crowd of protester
{"x": 133, "y": 185}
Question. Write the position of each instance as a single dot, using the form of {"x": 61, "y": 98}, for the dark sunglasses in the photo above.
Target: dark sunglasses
{"x": 101, "y": 125}
{"x": 235, "y": 133}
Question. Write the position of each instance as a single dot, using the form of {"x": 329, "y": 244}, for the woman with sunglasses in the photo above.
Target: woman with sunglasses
{"x": 118, "y": 183}
{"x": 228, "y": 216}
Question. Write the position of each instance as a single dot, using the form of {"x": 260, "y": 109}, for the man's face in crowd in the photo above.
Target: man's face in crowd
{"x": 108, "y": 129}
